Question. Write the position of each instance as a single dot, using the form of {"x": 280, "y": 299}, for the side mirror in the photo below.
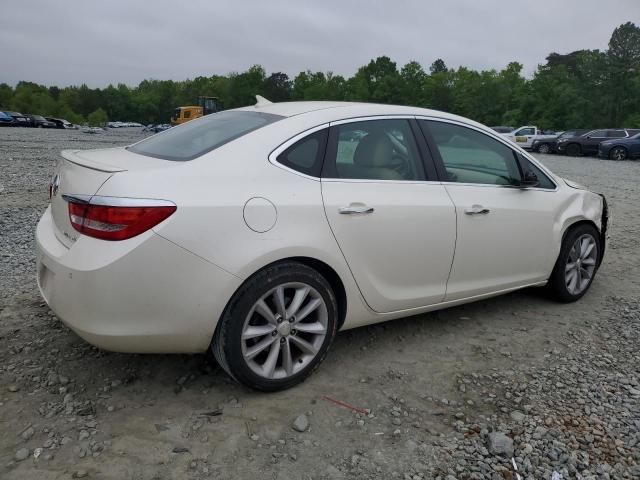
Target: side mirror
{"x": 529, "y": 180}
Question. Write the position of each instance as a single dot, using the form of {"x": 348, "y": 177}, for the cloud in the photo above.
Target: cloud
{"x": 120, "y": 41}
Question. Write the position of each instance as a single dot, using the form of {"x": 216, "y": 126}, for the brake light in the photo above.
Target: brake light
{"x": 117, "y": 222}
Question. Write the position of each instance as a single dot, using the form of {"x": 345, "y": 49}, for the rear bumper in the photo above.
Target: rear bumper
{"x": 143, "y": 295}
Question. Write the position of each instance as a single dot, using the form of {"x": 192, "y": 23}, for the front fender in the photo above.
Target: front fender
{"x": 581, "y": 206}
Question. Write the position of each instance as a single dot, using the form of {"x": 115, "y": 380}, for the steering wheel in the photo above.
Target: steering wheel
{"x": 400, "y": 164}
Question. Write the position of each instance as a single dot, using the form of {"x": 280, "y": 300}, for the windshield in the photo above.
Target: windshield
{"x": 200, "y": 136}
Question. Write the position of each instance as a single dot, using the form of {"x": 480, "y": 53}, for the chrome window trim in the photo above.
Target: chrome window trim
{"x": 273, "y": 156}
{"x": 275, "y": 153}
{"x": 371, "y": 118}
{"x": 508, "y": 144}
{"x": 373, "y": 180}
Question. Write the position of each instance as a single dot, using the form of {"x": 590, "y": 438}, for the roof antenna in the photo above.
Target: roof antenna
{"x": 261, "y": 101}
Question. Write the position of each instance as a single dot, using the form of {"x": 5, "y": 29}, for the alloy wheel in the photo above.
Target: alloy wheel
{"x": 284, "y": 330}
{"x": 544, "y": 148}
{"x": 618, "y": 153}
{"x": 581, "y": 264}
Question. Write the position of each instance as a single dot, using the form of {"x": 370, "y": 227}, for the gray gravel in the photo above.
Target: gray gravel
{"x": 459, "y": 394}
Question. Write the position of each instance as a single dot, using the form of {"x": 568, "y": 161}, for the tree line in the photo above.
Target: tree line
{"x": 581, "y": 89}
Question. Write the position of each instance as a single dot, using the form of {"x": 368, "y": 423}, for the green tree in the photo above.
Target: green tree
{"x": 98, "y": 118}
{"x": 277, "y": 87}
{"x": 624, "y": 66}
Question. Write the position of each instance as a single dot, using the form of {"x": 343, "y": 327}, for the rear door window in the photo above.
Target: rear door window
{"x": 200, "y": 136}
{"x": 616, "y": 133}
{"x": 382, "y": 149}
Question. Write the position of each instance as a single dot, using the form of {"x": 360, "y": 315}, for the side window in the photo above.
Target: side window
{"x": 543, "y": 180}
{"x": 616, "y": 133}
{"x": 470, "y": 156}
{"x": 305, "y": 156}
{"x": 525, "y": 131}
{"x": 187, "y": 114}
{"x": 375, "y": 150}
{"x": 598, "y": 134}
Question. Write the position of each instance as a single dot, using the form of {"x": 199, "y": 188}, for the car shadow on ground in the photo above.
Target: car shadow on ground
{"x": 365, "y": 349}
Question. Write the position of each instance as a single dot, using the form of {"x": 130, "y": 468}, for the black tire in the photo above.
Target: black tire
{"x": 618, "y": 153}
{"x": 557, "y": 284}
{"x": 545, "y": 149}
{"x": 227, "y": 340}
{"x": 573, "y": 150}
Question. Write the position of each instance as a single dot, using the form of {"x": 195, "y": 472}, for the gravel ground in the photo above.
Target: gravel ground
{"x": 461, "y": 393}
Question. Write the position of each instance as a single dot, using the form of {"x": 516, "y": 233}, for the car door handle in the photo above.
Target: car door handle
{"x": 355, "y": 210}
{"x": 476, "y": 210}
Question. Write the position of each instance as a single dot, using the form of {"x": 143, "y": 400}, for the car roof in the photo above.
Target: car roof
{"x": 333, "y": 111}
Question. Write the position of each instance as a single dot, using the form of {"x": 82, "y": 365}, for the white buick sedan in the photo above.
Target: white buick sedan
{"x": 260, "y": 232}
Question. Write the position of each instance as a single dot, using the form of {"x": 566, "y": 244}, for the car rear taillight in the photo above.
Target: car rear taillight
{"x": 98, "y": 219}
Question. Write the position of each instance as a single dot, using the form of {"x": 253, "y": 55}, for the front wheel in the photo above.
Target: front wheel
{"x": 544, "y": 148}
{"x": 618, "y": 153}
{"x": 277, "y": 328}
{"x": 576, "y": 265}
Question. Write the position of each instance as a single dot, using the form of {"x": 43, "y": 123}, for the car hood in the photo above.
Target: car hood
{"x": 575, "y": 185}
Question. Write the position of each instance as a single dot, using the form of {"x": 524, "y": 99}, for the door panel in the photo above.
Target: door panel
{"x": 590, "y": 144}
{"x": 504, "y": 232}
{"x": 400, "y": 253}
{"x": 508, "y": 246}
{"x": 396, "y": 230}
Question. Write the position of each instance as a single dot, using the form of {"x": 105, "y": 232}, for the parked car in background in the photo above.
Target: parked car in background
{"x": 123, "y": 124}
{"x": 526, "y": 135}
{"x": 502, "y": 129}
{"x": 620, "y": 148}
{"x": 6, "y": 120}
{"x": 38, "y": 121}
{"x": 21, "y": 120}
{"x": 161, "y": 127}
{"x": 62, "y": 123}
{"x": 352, "y": 214}
{"x": 550, "y": 145}
{"x": 87, "y": 129}
{"x": 588, "y": 143}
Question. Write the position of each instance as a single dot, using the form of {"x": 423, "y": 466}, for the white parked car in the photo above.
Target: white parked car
{"x": 260, "y": 232}
{"x": 527, "y": 135}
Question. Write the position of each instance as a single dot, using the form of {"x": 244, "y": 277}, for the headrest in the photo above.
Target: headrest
{"x": 374, "y": 150}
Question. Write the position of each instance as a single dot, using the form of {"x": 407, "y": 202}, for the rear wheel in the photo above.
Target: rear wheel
{"x": 277, "y": 328}
{"x": 618, "y": 153}
{"x": 573, "y": 150}
{"x": 577, "y": 264}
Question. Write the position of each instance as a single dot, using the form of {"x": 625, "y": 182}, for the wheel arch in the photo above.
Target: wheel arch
{"x": 334, "y": 280}
{"x": 578, "y": 222}
{"x": 571, "y": 144}
{"x": 624, "y": 147}
{"x": 327, "y": 271}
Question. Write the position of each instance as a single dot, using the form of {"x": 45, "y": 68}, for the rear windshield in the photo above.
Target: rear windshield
{"x": 200, "y": 136}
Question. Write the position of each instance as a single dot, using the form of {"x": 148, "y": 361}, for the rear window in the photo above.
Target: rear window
{"x": 198, "y": 137}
